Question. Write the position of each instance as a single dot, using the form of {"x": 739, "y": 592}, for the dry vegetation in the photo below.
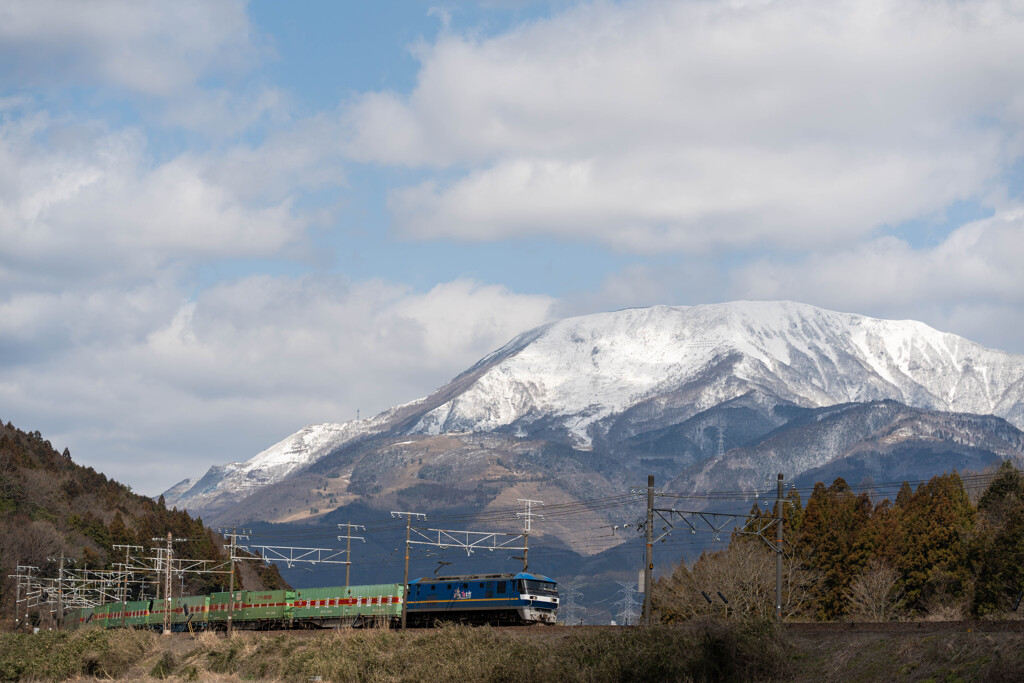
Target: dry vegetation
{"x": 705, "y": 650}
{"x": 699, "y": 650}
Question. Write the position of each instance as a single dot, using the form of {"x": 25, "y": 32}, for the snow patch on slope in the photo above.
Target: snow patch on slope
{"x": 233, "y": 481}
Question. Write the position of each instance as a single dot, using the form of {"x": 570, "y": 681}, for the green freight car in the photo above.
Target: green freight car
{"x": 265, "y": 609}
{"x": 137, "y": 613}
{"x": 189, "y": 610}
{"x": 107, "y": 616}
{"x": 253, "y": 610}
{"x": 184, "y": 610}
{"x": 77, "y": 618}
{"x": 155, "y": 618}
{"x": 358, "y": 606}
{"x": 217, "y": 616}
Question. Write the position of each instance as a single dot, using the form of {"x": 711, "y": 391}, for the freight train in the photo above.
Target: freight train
{"x": 496, "y": 599}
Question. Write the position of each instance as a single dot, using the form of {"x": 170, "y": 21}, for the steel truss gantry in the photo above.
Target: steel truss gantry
{"x": 290, "y": 555}
{"x": 469, "y": 541}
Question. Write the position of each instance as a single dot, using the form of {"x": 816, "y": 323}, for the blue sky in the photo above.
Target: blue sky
{"x": 221, "y": 221}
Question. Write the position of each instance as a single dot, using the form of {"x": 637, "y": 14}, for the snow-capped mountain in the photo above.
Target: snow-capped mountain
{"x": 224, "y": 484}
{"x": 578, "y": 373}
{"x": 647, "y": 388}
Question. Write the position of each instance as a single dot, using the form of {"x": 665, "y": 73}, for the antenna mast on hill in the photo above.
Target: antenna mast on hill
{"x": 721, "y": 436}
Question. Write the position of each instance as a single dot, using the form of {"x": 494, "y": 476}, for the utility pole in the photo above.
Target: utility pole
{"x": 348, "y": 545}
{"x": 28, "y": 588}
{"x": 234, "y": 536}
{"x": 60, "y": 587}
{"x": 649, "y": 554}
{"x": 17, "y": 595}
{"x": 124, "y": 583}
{"x": 408, "y": 530}
{"x": 60, "y": 595}
{"x": 528, "y": 516}
{"x": 165, "y": 555}
{"x": 778, "y": 551}
{"x": 167, "y": 585}
{"x": 718, "y": 523}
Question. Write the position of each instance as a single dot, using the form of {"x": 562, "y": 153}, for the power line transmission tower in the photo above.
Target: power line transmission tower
{"x": 527, "y": 518}
{"x": 568, "y": 593}
{"x": 627, "y": 602}
{"x": 263, "y": 553}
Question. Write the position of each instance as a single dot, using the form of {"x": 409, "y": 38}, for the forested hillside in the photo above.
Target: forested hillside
{"x": 50, "y": 506}
{"x": 932, "y": 553}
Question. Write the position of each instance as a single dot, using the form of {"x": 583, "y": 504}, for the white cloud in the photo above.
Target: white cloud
{"x": 151, "y": 389}
{"x": 145, "y": 46}
{"x": 79, "y": 201}
{"x": 971, "y": 283}
{"x": 691, "y": 125}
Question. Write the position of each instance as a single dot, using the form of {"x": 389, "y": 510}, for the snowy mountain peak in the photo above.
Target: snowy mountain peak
{"x": 589, "y": 368}
{"x": 237, "y": 479}
{"x": 597, "y": 381}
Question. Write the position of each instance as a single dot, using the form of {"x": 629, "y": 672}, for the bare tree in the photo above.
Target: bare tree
{"x": 874, "y": 593}
{"x": 744, "y": 573}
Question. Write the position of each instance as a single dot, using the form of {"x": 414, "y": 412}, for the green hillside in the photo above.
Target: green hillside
{"x": 51, "y": 506}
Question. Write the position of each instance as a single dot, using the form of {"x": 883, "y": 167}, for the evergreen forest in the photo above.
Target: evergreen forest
{"x": 942, "y": 552}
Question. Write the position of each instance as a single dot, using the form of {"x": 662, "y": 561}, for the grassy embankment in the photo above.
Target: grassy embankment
{"x": 702, "y": 650}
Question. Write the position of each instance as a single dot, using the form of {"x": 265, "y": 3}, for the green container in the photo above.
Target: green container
{"x": 266, "y": 605}
{"x": 346, "y": 603}
{"x": 73, "y": 620}
{"x": 251, "y": 607}
{"x": 155, "y": 618}
{"x": 218, "y": 612}
{"x": 107, "y": 616}
{"x": 138, "y": 613}
{"x": 192, "y": 609}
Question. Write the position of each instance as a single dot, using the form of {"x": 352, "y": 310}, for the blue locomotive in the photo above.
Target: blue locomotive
{"x": 496, "y": 599}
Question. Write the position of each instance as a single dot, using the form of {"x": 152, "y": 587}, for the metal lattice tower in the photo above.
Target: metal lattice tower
{"x": 568, "y": 611}
{"x": 628, "y": 602}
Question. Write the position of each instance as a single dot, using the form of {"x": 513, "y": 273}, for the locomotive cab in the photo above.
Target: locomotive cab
{"x": 496, "y": 599}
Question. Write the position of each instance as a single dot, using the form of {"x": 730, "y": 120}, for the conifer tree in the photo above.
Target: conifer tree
{"x": 998, "y": 547}
{"x": 831, "y": 525}
{"x": 935, "y": 523}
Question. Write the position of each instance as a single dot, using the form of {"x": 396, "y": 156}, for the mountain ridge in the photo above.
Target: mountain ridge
{"x": 603, "y": 383}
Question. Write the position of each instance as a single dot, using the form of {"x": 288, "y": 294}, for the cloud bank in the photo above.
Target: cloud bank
{"x": 699, "y": 126}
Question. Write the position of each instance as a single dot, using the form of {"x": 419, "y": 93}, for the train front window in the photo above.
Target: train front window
{"x": 540, "y": 588}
